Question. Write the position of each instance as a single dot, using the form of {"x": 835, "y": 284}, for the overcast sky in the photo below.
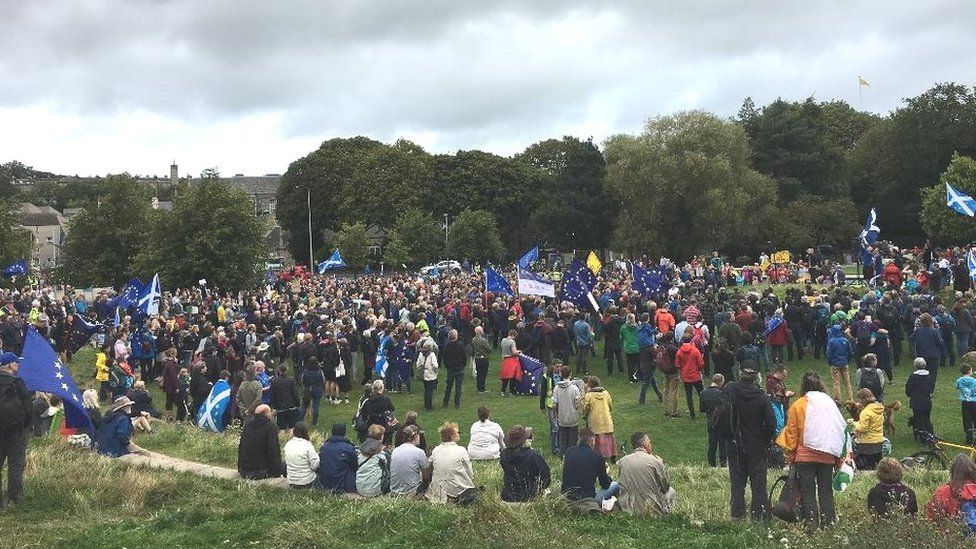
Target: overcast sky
{"x": 100, "y": 86}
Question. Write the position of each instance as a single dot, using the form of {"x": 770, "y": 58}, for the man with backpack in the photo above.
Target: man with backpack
{"x": 15, "y": 422}
{"x": 745, "y": 418}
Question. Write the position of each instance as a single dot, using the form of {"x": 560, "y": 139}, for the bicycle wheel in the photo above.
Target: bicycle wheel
{"x": 926, "y": 459}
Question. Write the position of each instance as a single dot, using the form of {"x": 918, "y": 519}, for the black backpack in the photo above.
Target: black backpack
{"x": 723, "y": 421}
{"x": 871, "y": 379}
{"x": 12, "y": 412}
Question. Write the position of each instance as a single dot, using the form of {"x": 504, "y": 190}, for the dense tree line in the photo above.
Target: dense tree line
{"x": 790, "y": 174}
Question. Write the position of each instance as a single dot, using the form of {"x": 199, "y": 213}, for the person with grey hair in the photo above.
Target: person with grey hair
{"x": 454, "y": 357}
{"x": 378, "y": 409}
{"x": 427, "y": 368}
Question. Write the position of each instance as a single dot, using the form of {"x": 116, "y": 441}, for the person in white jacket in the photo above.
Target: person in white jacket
{"x": 427, "y": 371}
{"x": 487, "y": 437}
{"x": 301, "y": 459}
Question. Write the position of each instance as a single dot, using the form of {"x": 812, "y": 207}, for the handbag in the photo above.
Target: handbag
{"x": 340, "y": 369}
{"x": 789, "y": 504}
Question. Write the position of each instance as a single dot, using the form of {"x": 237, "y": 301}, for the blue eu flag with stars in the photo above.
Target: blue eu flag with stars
{"x": 42, "y": 370}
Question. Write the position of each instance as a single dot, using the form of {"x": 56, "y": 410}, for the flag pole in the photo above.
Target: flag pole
{"x": 311, "y": 259}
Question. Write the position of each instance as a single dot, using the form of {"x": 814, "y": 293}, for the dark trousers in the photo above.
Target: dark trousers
{"x": 815, "y": 479}
{"x": 181, "y": 409}
{"x": 481, "y": 373}
{"x": 717, "y": 444}
{"x": 969, "y": 420}
{"x": 429, "y": 388}
{"x": 614, "y": 355}
{"x": 582, "y": 354}
{"x": 633, "y": 364}
{"x": 567, "y": 438}
{"x": 922, "y": 420}
{"x": 896, "y": 351}
{"x": 104, "y": 391}
{"x": 648, "y": 380}
{"x": 798, "y": 341}
{"x": 454, "y": 380}
{"x": 933, "y": 363}
{"x": 697, "y": 386}
{"x": 751, "y": 468}
{"x": 313, "y": 401}
{"x": 13, "y": 450}
{"x": 508, "y": 386}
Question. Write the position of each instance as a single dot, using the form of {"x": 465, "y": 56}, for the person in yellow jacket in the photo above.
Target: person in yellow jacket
{"x": 101, "y": 374}
{"x": 597, "y": 406}
{"x": 868, "y": 430}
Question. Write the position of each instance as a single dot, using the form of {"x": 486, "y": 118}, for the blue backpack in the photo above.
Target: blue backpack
{"x": 967, "y": 511}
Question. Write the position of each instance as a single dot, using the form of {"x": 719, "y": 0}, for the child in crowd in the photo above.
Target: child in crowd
{"x": 966, "y": 385}
{"x": 869, "y": 376}
{"x": 889, "y": 494}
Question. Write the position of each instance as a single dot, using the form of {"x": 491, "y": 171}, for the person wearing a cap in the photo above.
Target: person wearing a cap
{"x": 15, "y": 420}
{"x": 116, "y": 431}
{"x": 755, "y": 428}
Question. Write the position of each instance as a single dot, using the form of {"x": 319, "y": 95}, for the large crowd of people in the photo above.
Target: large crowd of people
{"x": 283, "y": 349}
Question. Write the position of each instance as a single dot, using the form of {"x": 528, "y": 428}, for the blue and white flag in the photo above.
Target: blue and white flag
{"x": 972, "y": 265}
{"x": 960, "y": 202}
{"x": 149, "y": 297}
{"x": 577, "y": 269}
{"x": 334, "y": 262}
{"x": 17, "y": 268}
{"x": 576, "y": 287}
{"x": 869, "y": 235}
{"x": 210, "y": 416}
{"x": 42, "y": 370}
{"x": 380, "y": 364}
{"x": 127, "y": 296}
{"x": 532, "y": 370}
{"x": 81, "y": 332}
{"x": 530, "y": 283}
{"x": 496, "y": 283}
{"x": 529, "y": 257}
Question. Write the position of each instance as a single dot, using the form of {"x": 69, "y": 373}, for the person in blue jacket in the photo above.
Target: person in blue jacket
{"x": 337, "y": 463}
{"x": 928, "y": 344}
{"x": 143, "y": 345}
{"x": 116, "y": 430}
{"x": 839, "y": 352}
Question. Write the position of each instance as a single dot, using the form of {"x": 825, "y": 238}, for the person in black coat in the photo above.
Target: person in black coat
{"x": 526, "y": 474}
{"x": 16, "y": 430}
{"x": 259, "y": 454}
{"x": 919, "y": 389}
{"x": 284, "y": 399}
{"x": 752, "y": 426}
{"x": 453, "y": 357}
{"x": 199, "y": 387}
{"x": 583, "y": 468}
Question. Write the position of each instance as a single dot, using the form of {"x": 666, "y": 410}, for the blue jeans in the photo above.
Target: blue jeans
{"x": 648, "y": 380}
{"x": 315, "y": 400}
{"x": 553, "y": 432}
{"x": 962, "y": 343}
{"x": 612, "y": 490}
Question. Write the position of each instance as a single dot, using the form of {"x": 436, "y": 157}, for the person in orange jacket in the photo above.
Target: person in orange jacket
{"x": 690, "y": 363}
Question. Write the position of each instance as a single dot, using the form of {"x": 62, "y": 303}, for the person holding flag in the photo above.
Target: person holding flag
{"x": 15, "y": 422}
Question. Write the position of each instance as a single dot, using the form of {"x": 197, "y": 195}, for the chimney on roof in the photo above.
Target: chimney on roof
{"x": 174, "y": 179}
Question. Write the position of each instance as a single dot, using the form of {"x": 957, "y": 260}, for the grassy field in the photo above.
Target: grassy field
{"x": 74, "y": 498}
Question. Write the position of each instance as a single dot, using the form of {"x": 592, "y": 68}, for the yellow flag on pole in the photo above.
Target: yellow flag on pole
{"x": 593, "y": 262}
{"x": 862, "y": 82}
{"x": 782, "y": 256}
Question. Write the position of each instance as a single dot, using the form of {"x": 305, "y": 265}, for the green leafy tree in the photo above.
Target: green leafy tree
{"x": 104, "y": 239}
{"x": 396, "y": 252}
{"x": 908, "y": 151}
{"x": 386, "y": 181}
{"x": 15, "y": 241}
{"x": 353, "y": 245}
{"x": 474, "y": 236}
{"x": 324, "y": 174}
{"x": 685, "y": 186}
{"x": 212, "y": 233}
{"x": 575, "y": 212}
{"x": 416, "y": 238}
{"x": 941, "y": 222}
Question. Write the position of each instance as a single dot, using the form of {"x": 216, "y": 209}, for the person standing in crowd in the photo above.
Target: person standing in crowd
{"x": 301, "y": 459}
{"x": 583, "y": 334}
{"x": 644, "y": 483}
{"x": 511, "y": 368}
{"x": 487, "y": 437}
{"x": 313, "y": 387}
{"x": 839, "y": 353}
{"x": 690, "y": 363}
{"x": 631, "y": 347}
{"x": 526, "y": 474}
{"x": 567, "y": 398}
{"x": 750, "y": 425}
{"x": 966, "y": 387}
{"x": 919, "y": 389}
{"x": 455, "y": 359}
{"x": 709, "y": 402}
{"x": 481, "y": 350}
{"x": 259, "y": 453}
{"x": 928, "y": 343}
{"x": 612, "y": 347}
{"x": 15, "y": 421}
{"x": 427, "y": 369}
{"x": 284, "y": 400}
{"x": 597, "y": 411}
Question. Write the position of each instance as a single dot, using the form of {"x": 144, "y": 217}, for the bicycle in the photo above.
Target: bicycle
{"x": 935, "y": 456}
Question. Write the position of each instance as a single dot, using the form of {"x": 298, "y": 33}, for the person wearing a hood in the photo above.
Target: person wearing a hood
{"x": 839, "y": 352}
{"x": 116, "y": 431}
{"x": 526, "y": 473}
{"x": 373, "y": 473}
{"x": 752, "y": 428}
{"x": 868, "y": 430}
{"x": 690, "y": 363}
{"x": 566, "y": 398}
{"x": 597, "y": 410}
{"x": 919, "y": 389}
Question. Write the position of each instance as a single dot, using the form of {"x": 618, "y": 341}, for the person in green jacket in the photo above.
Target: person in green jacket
{"x": 628, "y": 340}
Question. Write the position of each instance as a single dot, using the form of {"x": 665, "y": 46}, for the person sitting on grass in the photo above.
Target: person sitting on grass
{"x": 889, "y": 495}
{"x": 526, "y": 473}
{"x": 583, "y": 468}
{"x": 868, "y": 430}
{"x": 948, "y": 498}
{"x": 337, "y": 463}
{"x": 487, "y": 437}
{"x": 373, "y": 472}
{"x": 409, "y": 470}
{"x": 116, "y": 431}
{"x": 142, "y": 404}
{"x": 301, "y": 459}
{"x": 452, "y": 478}
{"x": 259, "y": 453}
{"x": 644, "y": 483}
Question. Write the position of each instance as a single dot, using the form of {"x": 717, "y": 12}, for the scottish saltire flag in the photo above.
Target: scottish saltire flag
{"x": 530, "y": 283}
{"x": 81, "y": 332}
{"x": 960, "y": 202}
{"x": 529, "y": 257}
{"x": 17, "y": 268}
{"x": 127, "y": 296}
{"x": 532, "y": 370}
{"x": 42, "y": 370}
{"x": 971, "y": 259}
{"x": 149, "y": 297}
{"x": 210, "y": 416}
{"x": 381, "y": 364}
{"x": 496, "y": 283}
{"x": 334, "y": 262}
{"x": 869, "y": 235}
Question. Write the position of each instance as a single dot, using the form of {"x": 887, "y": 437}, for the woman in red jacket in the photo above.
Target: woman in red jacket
{"x": 948, "y": 498}
{"x": 690, "y": 363}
